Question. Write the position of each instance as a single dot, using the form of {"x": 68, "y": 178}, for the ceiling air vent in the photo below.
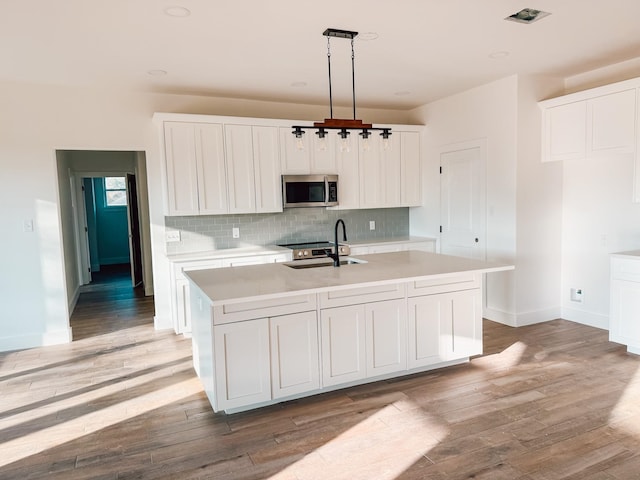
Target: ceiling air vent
{"x": 527, "y": 15}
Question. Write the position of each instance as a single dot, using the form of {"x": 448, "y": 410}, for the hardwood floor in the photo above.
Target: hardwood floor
{"x": 549, "y": 401}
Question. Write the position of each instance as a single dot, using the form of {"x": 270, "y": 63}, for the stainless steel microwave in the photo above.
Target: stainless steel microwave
{"x": 309, "y": 190}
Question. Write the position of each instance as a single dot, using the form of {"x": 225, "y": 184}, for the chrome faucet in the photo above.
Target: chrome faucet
{"x": 336, "y": 254}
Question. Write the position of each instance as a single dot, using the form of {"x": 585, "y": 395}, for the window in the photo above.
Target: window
{"x": 115, "y": 191}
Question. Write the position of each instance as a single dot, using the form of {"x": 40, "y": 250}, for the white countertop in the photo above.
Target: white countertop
{"x": 628, "y": 254}
{"x": 377, "y": 241}
{"x": 227, "y": 253}
{"x": 261, "y": 282}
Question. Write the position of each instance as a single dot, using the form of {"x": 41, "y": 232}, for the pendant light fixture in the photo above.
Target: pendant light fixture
{"x": 343, "y": 125}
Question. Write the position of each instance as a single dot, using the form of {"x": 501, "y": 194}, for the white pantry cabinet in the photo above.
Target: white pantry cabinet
{"x": 195, "y": 174}
{"x": 594, "y": 123}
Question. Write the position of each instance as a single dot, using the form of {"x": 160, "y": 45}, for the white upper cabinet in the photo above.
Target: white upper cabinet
{"x": 241, "y": 174}
{"x": 195, "y": 169}
{"x": 231, "y": 165}
{"x": 613, "y": 123}
{"x": 595, "y": 123}
{"x": 253, "y": 167}
{"x": 565, "y": 132}
{"x": 410, "y": 171}
{"x": 266, "y": 164}
{"x": 309, "y": 154}
{"x": 346, "y": 155}
{"x": 380, "y": 171}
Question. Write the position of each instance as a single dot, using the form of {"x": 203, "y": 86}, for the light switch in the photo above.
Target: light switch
{"x": 27, "y": 226}
{"x": 372, "y": 225}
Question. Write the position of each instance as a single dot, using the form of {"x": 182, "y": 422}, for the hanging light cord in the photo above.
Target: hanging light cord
{"x": 329, "y": 63}
{"x": 353, "y": 78}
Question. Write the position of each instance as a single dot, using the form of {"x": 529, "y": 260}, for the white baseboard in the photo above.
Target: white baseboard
{"x": 521, "y": 319}
{"x": 586, "y": 318}
{"x": 21, "y": 342}
{"x": 74, "y": 300}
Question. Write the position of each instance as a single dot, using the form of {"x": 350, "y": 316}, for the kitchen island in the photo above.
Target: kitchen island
{"x": 264, "y": 334}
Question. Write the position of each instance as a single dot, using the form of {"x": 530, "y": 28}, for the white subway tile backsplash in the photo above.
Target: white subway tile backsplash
{"x": 293, "y": 225}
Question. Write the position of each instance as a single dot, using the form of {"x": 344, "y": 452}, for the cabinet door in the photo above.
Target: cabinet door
{"x": 266, "y": 163}
{"x": 444, "y": 327}
{"x": 379, "y": 172}
{"x": 346, "y": 155}
{"x": 295, "y": 367}
{"x": 240, "y": 172}
{"x": 565, "y": 132}
{"x": 625, "y": 313}
{"x": 426, "y": 316}
{"x": 343, "y": 344}
{"x": 180, "y": 169}
{"x": 212, "y": 176}
{"x": 410, "y": 171}
{"x": 612, "y": 123}
{"x": 183, "y": 313}
{"x": 323, "y": 159}
{"x": 242, "y": 363}
{"x": 386, "y": 337}
{"x": 295, "y": 154}
{"x": 466, "y": 325}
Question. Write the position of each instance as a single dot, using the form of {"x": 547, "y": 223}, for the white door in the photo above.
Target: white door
{"x": 462, "y": 190}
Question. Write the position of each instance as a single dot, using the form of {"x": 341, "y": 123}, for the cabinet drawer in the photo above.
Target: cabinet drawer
{"x": 237, "y": 312}
{"x": 355, "y": 296}
{"x": 451, "y": 283}
{"x": 625, "y": 269}
{"x": 181, "y": 267}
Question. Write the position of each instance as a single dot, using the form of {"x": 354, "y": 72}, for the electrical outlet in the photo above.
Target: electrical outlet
{"x": 577, "y": 295}
{"x": 236, "y": 232}
{"x": 172, "y": 236}
{"x": 372, "y": 225}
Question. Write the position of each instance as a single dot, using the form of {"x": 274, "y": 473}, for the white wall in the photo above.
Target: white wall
{"x": 35, "y": 121}
{"x": 488, "y": 112}
{"x": 523, "y": 196}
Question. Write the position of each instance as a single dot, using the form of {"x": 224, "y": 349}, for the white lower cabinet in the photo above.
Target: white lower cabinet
{"x": 259, "y": 352}
{"x": 624, "y": 321}
{"x": 295, "y": 366}
{"x": 343, "y": 344}
{"x": 443, "y": 327}
{"x": 241, "y": 358}
{"x": 360, "y": 341}
{"x": 386, "y": 337}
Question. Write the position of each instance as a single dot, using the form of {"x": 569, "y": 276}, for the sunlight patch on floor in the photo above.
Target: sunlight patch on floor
{"x": 73, "y": 429}
{"x": 372, "y": 448}
{"x": 625, "y": 415}
{"x": 508, "y": 358}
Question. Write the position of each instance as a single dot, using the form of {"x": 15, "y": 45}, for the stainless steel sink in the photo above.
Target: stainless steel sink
{"x": 323, "y": 262}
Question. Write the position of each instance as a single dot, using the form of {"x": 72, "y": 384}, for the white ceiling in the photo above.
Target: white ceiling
{"x": 426, "y": 49}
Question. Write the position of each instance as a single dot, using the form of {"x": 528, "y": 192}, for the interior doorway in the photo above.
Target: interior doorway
{"x": 111, "y": 223}
{"x": 116, "y": 183}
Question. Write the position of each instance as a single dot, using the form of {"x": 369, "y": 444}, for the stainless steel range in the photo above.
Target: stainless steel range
{"x": 315, "y": 249}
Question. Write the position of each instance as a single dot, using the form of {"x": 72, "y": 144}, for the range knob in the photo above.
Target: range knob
{"x": 300, "y": 253}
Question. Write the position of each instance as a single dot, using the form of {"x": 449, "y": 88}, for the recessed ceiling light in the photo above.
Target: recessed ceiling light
{"x": 299, "y": 84}
{"x": 177, "y": 11}
{"x": 367, "y": 36}
{"x": 402, "y": 93}
{"x": 157, "y": 73}
{"x": 527, "y": 15}
{"x": 499, "y": 54}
